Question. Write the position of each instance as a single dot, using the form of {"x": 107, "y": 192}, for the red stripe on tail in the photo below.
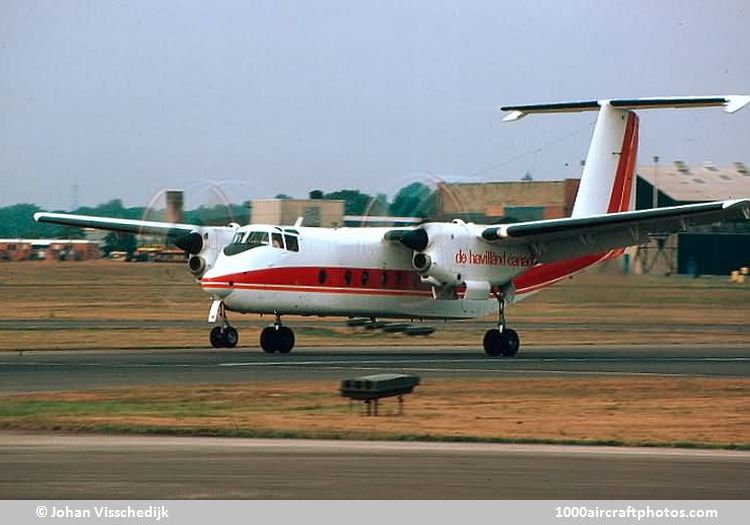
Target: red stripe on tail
{"x": 623, "y": 185}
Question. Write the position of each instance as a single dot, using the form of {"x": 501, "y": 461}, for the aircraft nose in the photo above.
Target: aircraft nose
{"x": 216, "y": 284}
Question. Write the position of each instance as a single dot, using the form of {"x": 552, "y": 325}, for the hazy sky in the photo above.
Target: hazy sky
{"x": 126, "y": 98}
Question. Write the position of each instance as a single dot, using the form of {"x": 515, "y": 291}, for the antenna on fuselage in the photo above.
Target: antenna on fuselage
{"x": 298, "y": 222}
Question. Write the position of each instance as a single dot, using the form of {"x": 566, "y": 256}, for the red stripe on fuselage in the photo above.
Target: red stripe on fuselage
{"x": 367, "y": 281}
{"x": 544, "y": 275}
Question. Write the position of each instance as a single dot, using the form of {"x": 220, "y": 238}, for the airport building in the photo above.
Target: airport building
{"x": 716, "y": 249}
{"x": 314, "y": 212}
{"x": 492, "y": 202}
{"x": 48, "y": 250}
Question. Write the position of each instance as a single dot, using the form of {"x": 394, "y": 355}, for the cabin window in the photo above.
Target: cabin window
{"x": 365, "y": 277}
{"x": 384, "y": 279}
{"x": 292, "y": 243}
{"x": 348, "y": 277}
{"x": 398, "y": 279}
{"x": 277, "y": 241}
{"x": 322, "y": 276}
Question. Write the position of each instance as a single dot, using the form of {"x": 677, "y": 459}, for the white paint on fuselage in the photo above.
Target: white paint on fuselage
{"x": 459, "y": 250}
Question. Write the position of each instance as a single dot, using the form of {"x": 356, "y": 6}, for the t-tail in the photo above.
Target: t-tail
{"x": 609, "y": 173}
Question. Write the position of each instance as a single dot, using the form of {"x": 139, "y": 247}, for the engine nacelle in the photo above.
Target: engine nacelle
{"x": 197, "y": 265}
{"x": 204, "y": 245}
{"x": 191, "y": 243}
{"x": 434, "y": 273}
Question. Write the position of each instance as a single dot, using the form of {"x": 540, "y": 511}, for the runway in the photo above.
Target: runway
{"x": 67, "y": 370}
{"x": 43, "y": 466}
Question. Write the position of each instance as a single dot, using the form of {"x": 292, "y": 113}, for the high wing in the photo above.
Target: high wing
{"x": 557, "y": 239}
{"x": 170, "y": 229}
{"x": 192, "y": 238}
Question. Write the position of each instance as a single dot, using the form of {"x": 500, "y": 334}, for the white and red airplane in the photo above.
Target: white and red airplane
{"x": 435, "y": 270}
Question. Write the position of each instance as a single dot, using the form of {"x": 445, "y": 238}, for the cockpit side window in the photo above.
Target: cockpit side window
{"x": 244, "y": 241}
{"x": 292, "y": 243}
{"x": 256, "y": 239}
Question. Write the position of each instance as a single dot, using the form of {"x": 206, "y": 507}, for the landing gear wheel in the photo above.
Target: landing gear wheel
{"x": 493, "y": 342}
{"x": 512, "y": 342}
{"x": 268, "y": 339}
{"x": 277, "y": 339}
{"x": 226, "y": 337}
{"x": 505, "y": 343}
{"x": 286, "y": 339}
{"x": 216, "y": 337}
{"x": 230, "y": 336}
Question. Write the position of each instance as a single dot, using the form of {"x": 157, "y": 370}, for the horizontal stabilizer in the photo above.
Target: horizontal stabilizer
{"x": 731, "y": 104}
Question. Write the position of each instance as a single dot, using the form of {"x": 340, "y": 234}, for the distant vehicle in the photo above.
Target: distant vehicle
{"x": 435, "y": 270}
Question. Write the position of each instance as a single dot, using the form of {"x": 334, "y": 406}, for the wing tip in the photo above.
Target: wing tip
{"x": 736, "y": 103}
{"x": 513, "y": 115}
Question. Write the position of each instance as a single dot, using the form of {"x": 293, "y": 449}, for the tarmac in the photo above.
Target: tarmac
{"x": 43, "y": 466}
{"x": 66, "y": 370}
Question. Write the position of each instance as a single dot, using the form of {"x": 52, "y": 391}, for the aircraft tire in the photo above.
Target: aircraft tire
{"x": 286, "y": 339}
{"x": 269, "y": 340}
{"x": 512, "y": 342}
{"x": 216, "y": 337}
{"x": 505, "y": 343}
{"x": 230, "y": 336}
{"x": 492, "y": 342}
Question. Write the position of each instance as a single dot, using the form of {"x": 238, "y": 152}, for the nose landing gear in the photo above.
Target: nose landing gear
{"x": 277, "y": 338}
{"x": 222, "y": 335}
{"x": 501, "y": 341}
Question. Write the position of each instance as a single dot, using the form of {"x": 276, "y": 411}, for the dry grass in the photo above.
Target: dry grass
{"x": 613, "y": 308}
{"x": 651, "y": 411}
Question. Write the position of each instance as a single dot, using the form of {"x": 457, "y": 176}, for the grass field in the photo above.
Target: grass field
{"x": 593, "y": 307}
{"x": 107, "y": 304}
{"x": 696, "y": 412}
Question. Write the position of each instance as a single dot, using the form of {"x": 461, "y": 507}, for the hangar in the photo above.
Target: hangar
{"x": 716, "y": 249}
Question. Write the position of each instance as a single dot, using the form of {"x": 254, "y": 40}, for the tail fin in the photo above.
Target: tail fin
{"x": 607, "y": 179}
{"x": 609, "y": 174}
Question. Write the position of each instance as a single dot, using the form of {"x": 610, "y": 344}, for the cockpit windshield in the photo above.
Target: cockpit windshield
{"x": 247, "y": 240}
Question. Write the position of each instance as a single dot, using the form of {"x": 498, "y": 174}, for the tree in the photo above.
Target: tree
{"x": 355, "y": 202}
{"x": 414, "y": 200}
{"x": 17, "y": 221}
{"x": 120, "y": 242}
{"x": 316, "y": 194}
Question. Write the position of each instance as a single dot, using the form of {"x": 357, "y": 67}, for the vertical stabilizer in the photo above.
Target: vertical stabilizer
{"x": 608, "y": 176}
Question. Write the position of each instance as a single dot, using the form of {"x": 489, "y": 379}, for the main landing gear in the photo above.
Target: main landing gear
{"x": 277, "y": 338}
{"x": 224, "y": 335}
{"x": 501, "y": 341}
